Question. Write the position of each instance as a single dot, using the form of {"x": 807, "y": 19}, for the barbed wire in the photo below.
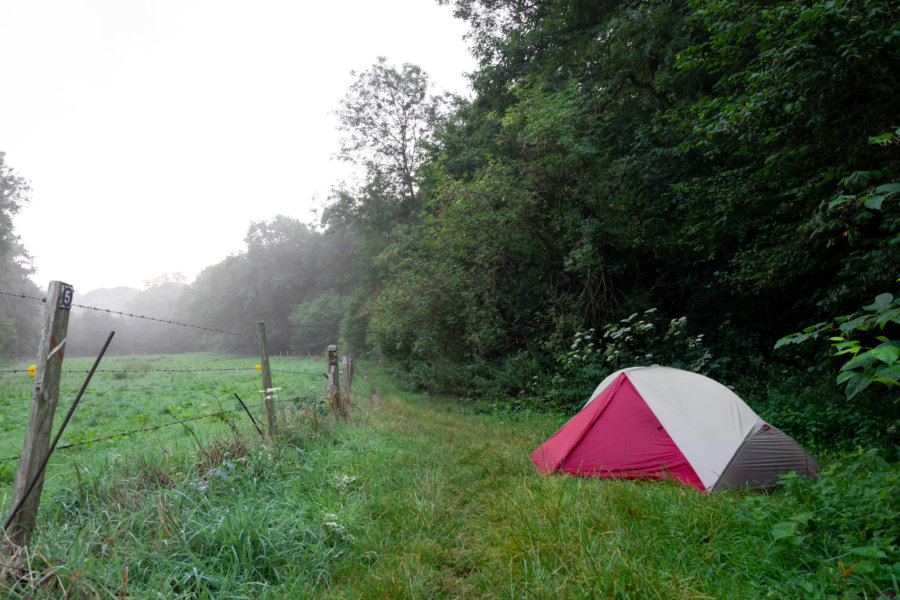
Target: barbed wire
{"x": 165, "y": 370}
{"x": 219, "y": 413}
{"x": 135, "y": 316}
{"x": 26, "y": 296}
{"x": 159, "y": 320}
{"x": 134, "y": 431}
{"x": 172, "y": 371}
{"x": 299, "y": 372}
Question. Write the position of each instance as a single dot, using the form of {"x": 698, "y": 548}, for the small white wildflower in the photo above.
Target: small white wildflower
{"x": 649, "y": 311}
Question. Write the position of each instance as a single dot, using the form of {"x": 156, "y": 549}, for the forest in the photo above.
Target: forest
{"x": 705, "y": 184}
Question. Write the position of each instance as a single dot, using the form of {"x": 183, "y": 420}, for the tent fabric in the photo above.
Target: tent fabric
{"x": 553, "y": 452}
{"x": 765, "y": 454}
{"x": 667, "y": 423}
{"x": 630, "y": 442}
{"x": 707, "y": 420}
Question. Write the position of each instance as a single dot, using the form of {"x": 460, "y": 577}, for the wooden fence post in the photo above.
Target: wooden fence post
{"x": 334, "y": 385}
{"x": 44, "y": 398}
{"x": 266, "y": 377}
{"x": 345, "y": 363}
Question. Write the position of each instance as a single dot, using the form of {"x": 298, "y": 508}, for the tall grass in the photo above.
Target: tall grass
{"x": 420, "y": 498}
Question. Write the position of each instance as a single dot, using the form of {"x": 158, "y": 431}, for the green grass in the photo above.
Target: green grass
{"x": 423, "y": 498}
{"x": 146, "y": 396}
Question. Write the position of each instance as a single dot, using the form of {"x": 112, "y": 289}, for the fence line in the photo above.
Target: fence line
{"x": 158, "y": 320}
{"x": 219, "y": 413}
{"x": 132, "y": 315}
{"x": 57, "y": 303}
{"x": 26, "y": 296}
{"x": 138, "y": 371}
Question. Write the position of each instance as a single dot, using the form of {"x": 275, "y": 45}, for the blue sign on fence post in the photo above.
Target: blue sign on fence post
{"x": 66, "y": 295}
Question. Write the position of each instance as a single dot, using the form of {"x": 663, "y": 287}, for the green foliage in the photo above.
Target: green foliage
{"x": 866, "y": 364}
{"x": 316, "y": 322}
{"x": 18, "y": 321}
{"x": 285, "y": 264}
{"x": 814, "y": 411}
{"x": 837, "y": 535}
{"x": 734, "y": 163}
{"x": 641, "y": 339}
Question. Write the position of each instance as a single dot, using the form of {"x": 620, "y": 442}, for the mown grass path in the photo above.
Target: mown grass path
{"x": 456, "y": 510}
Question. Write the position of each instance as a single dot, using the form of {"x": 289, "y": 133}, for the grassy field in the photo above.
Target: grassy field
{"x": 422, "y": 498}
{"x": 133, "y": 393}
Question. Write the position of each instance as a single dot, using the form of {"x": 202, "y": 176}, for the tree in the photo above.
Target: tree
{"x": 14, "y": 191}
{"x": 285, "y": 263}
{"x": 388, "y": 116}
{"x": 18, "y": 323}
{"x": 316, "y": 322}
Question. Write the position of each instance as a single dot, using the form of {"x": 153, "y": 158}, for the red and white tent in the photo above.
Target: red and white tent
{"x": 671, "y": 424}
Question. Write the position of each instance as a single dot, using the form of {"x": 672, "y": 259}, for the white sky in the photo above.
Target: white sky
{"x": 154, "y": 131}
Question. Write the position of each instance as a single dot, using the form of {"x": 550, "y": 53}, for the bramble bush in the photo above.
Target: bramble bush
{"x": 641, "y": 339}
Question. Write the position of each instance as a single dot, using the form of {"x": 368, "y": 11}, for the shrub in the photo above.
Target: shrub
{"x": 641, "y": 339}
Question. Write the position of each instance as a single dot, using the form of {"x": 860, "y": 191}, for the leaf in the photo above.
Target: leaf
{"x": 842, "y": 199}
{"x": 874, "y": 201}
{"x": 858, "y": 382}
{"x": 886, "y": 353}
{"x": 884, "y": 138}
{"x": 888, "y": 316}
{"x": 887, "y": 372}
{"x": 785, "y": 529}
{"x": 888, "y": 188}
{"x": 851, "y": 325}
{"x": 860, "y": 360}
{"x": 882, "y": 301}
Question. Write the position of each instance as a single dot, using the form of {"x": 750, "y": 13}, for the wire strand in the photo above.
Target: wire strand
{"x": 26, "y": 296}
{"x": 158, "y": 320}
{"x": 132, "y": 432}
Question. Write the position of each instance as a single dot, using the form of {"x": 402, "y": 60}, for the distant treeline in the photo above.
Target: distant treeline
{"x": 285, "y": 268}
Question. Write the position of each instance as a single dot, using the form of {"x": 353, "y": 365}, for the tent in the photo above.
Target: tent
{"x": 666, "y": 423}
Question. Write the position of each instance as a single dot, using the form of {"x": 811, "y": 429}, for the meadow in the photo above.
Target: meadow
{"x": 423, "y": 497}
{"x": 142, "y": 392}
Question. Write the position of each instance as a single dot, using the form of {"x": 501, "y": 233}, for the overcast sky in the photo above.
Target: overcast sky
{"x": 153, "y": 132}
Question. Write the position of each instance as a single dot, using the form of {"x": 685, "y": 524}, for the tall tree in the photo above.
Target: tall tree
{"x": 18, "y": 323}
{"x": 389, "y": 117}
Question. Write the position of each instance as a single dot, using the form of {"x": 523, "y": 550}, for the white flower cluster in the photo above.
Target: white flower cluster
{"x": 331, "y": 524}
